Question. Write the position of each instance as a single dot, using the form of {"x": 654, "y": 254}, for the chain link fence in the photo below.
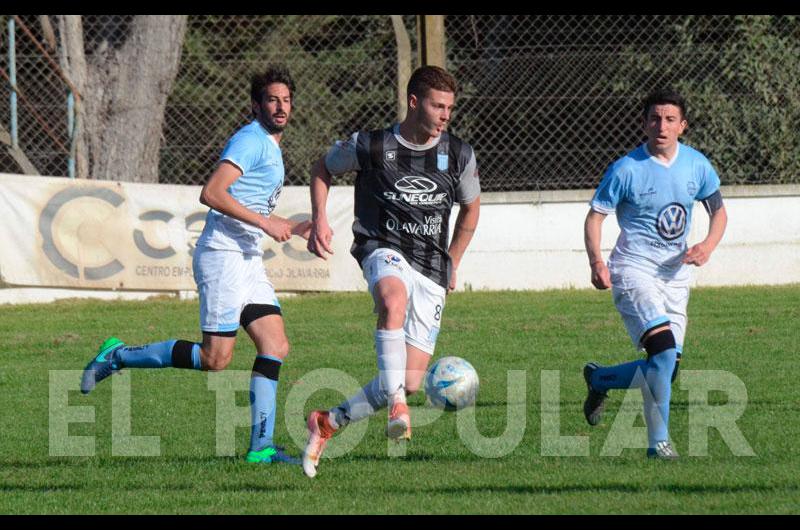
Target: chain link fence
{"x": 41, "y": 135}
{"x": 344, "y": 68}
{"x": 551, "y": 100}
{"x": 548, "y": 101}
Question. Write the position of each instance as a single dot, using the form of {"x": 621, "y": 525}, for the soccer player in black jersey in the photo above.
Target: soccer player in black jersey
{"x": 408, "y": 178}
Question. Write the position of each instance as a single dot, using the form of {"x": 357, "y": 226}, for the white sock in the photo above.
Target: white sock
{"x": 363, "y": 404}
{"x": 390, "y": 345}
{"x": 332, "y": 420}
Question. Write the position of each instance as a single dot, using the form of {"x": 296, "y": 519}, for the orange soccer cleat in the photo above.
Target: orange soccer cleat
{"x": 399, "y": 426}
{"x": 319, "y": 432}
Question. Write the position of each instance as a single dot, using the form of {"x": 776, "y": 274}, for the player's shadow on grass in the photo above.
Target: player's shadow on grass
{"x": 618, "y": 488}
{"x": 614, "y": 400}
{"x": 121, "y": 461}
{"x": 489, "y": 404}
{"x": 30, "y": 488}
{"x": 244, "y": 487}
{"x": 413, "y": 457}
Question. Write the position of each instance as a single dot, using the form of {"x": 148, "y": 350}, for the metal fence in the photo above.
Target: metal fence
{"x": 344, "y": 68}
{"x": 548, "y": 101}
{"x": 34, "y": 133}
{"x": 552, "y": 100}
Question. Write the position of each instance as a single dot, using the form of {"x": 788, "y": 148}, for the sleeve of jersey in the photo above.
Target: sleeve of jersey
{"x": 243, "y": 150}
{"x": 469, "y": 187}
{"x": 608, "y": 193}
{"x": 709, "y": 180}
{"x": 342, "y": 156}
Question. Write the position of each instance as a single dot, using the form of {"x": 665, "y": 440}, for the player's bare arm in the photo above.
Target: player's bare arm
{"x": 700, "y": 253}
{"x": 466, "y": 224}
{"x": 592, "y": 235}
{"x": 320, "y": 236}
{"x": 215, "y": 195}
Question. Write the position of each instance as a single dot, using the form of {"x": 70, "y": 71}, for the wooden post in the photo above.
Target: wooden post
{"x": 403, "y": 64}
{"x": 431, "y": 40}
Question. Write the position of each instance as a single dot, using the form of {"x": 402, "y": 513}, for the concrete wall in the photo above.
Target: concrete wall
{"x": 535, "y": 240}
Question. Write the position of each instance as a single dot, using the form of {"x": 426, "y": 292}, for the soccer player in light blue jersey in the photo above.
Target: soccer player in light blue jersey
{"x": 233, "y": 286}
{"x": 652, "y": 191}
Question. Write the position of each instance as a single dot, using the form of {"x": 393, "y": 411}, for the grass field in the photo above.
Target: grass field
{"x": 749, "y": 332}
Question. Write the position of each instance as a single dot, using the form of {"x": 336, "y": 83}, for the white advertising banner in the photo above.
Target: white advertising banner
{"x": 83, "y": 234}
{"x": 58, "y": 232}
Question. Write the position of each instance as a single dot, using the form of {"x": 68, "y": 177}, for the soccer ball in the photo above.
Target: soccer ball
{"x": 451, "y": 384}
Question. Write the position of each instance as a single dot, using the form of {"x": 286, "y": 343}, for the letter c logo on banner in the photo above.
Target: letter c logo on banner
{"x": 49, "y": 247}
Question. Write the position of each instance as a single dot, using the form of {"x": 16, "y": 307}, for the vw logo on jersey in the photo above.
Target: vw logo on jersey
{"x": 671, "y": 221}
{"x": 415, "y": 185}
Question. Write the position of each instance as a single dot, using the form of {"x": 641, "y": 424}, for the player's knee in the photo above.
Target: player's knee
{"x": 393, "y": 307}
{"x": 280, "y": 349}
{"x": 659, "y": 341}
{"x": 215, "y": 363}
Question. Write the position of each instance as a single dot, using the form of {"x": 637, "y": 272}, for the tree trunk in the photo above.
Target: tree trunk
{"x": 124, "y": 81}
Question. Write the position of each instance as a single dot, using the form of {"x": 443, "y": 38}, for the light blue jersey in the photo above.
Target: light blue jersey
{"x": 256, "y": 153}
{"x": 653, "y": 201}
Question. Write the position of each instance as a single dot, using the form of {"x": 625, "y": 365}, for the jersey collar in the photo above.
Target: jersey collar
{"x": 661, "y": 162}
{"x": 266, "y": 132}
{"x": 415, "y": 147}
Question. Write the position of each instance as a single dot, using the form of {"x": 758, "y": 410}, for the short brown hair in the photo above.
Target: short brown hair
{"x": 664, "y": 96}
{"x": 426, "y": 78}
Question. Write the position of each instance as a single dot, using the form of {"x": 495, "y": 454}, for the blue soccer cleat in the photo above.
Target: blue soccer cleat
{"x": 104, "y": 364}
{"x": 272, "y": 454}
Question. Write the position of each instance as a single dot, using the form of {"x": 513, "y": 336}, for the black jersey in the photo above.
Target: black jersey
{"x": 404, "y": 195}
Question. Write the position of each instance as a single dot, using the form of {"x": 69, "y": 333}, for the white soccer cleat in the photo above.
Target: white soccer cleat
{"x": 663, "y": 451}
{"x": 319, "y": 432}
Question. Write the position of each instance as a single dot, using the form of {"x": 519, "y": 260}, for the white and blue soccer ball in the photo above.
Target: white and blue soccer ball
{"x": 451, "y": 384}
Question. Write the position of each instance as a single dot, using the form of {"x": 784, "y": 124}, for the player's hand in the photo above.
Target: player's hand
{"x": 601, "y": 278}
{"x": 278, "y": 229}
{"x": 452, "y": 286}
{"x": 319, "y": 240}
{"x": 302, "y": 229}
{"x": 697, "y": 255}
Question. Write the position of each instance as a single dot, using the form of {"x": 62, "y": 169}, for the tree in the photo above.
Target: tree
{"x": 738, "y": 75}
{"x": 123, "y": 68}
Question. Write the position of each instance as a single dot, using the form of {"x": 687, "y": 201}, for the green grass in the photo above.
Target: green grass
{"x": 750, "y": 332}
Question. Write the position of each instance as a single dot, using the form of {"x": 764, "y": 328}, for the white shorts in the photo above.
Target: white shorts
{"x": 227, "y": 281}
{"x": 425, "y": 297}
{"x": 645, "y": 302}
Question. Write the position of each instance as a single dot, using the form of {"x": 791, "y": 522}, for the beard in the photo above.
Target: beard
{"x": 272, "y": 127}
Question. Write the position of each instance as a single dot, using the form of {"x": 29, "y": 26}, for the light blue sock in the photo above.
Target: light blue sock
{"x": 160, "y": 355}
{"x": 155, "y": 355}
{"x": 263, "y": 403}
{"x": 657, "y": 394}
{"x": 619, "y": 376}
{"x": 196, "y": 357}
